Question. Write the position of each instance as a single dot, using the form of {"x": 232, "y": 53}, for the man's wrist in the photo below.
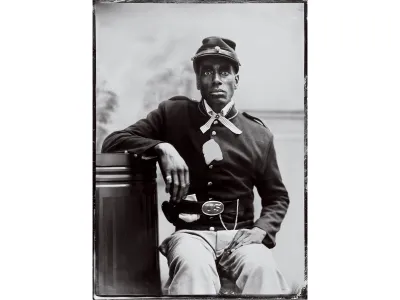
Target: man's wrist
{"x": 159, "y": 148}
{"x": 261, "y": 231}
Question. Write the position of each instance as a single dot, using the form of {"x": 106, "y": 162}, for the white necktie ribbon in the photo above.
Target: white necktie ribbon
{"x": 220, "y": 117}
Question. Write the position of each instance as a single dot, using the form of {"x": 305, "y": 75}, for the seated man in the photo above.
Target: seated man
{"x": 211, "y": 156}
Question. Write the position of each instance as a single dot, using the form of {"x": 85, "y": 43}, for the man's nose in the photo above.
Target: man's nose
{"x": 216, "y": 79}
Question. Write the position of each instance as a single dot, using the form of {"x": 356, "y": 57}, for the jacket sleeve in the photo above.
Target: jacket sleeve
{"x": 139, "y": 137}
{"x": 274, "y": 197}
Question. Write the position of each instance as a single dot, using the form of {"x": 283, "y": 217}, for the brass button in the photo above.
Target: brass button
{"x": 210, "y": 166}
{"x": 212, "y": 228}
{"x": 209, "y": 183}
{"x": 135, "y": 155}
{"x": 215, "y": 122}
{"x": 213, "y": 133}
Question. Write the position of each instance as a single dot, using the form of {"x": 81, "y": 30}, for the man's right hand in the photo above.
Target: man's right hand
{"x": 175, "y": 171}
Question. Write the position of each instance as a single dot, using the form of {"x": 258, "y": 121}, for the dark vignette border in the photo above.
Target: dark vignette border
{"x": 94, "y": 214}
{"x": 303, "y": 294}
{"x": 200, "y": 1}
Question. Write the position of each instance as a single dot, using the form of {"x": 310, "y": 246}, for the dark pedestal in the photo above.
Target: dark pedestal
{"x": 126, "y": 226}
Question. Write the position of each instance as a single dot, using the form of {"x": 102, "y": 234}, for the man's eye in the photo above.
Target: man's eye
{"x": 224, "y": 73}
{"x": 207, "y": 73}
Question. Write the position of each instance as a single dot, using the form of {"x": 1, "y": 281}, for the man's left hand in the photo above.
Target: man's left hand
{"x": 246, "y": 237}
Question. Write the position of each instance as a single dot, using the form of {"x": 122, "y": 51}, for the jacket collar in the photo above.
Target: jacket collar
{"x": 232, "y": 113}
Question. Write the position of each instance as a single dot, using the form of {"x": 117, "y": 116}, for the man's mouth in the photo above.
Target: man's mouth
{"x": 217, "y": 92}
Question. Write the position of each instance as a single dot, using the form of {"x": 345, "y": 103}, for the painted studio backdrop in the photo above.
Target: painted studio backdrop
{"x": 143, "y": 54}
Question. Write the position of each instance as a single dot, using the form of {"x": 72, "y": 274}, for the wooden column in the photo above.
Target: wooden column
{"x": 126, "y": 226}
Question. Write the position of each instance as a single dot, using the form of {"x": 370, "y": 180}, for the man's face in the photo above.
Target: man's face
{"x": 216, "y": 80}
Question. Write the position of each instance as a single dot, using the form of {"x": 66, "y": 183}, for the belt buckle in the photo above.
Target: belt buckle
{"x": 212, "y": 208}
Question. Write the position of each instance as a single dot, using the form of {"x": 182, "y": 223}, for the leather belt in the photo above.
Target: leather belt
{"x": 208, "y": 208}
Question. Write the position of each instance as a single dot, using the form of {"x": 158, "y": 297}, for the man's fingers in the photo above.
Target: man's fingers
{"x": 234, "y": 240}
{"x": 175, "y": 185}
{"x": 187, "y": 182}
{"x": 182, "y": 185}
{"x": 243, "y": 242}
{"x": 233, "y": 243}
{"x": 238, "y": 241}
{"x": 168, "y": 182}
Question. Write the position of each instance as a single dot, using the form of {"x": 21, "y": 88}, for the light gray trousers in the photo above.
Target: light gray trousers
{"x": 192, "y": 256}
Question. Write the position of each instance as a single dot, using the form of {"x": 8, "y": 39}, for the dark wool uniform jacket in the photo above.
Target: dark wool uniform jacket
{"x": 249, "y": 160}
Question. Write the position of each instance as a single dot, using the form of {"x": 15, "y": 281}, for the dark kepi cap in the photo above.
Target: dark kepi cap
{"x": 217, "y": 46}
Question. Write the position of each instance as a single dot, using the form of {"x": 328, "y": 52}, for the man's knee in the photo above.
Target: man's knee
{"x": 256, "y": 271}
{"x": 257, "y": 258}
{"x": 193, "y": 264}
{"x": 193, "y": 271}
{"x": 191, "y": 256}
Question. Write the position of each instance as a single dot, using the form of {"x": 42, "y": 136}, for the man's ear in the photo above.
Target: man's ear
{"x": 236, "y": 80}
{"x": 198, "y": 82}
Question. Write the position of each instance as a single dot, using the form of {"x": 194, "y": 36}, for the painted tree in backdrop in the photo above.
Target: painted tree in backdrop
{"x": 106, "y": 103}
{"x": 168, "y": 83}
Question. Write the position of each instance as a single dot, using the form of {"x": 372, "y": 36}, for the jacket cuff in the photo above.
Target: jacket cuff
{"x": 269, "y": 239}
{"x": 147, "y": 150}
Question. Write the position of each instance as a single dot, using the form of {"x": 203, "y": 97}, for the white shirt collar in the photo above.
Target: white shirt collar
{"x": 223, "y": 112}
{"x": 220, "y": 117}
